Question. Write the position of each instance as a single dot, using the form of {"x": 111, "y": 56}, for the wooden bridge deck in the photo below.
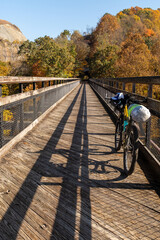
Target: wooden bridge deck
{"x": 64, "y": 180}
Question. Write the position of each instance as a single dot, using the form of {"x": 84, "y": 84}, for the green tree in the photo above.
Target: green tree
{"x": 102, "y": 64}
{"x": 82, "y": 50}
{"x": 46, "y": 58}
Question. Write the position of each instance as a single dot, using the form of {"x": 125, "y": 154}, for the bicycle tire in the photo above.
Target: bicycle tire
{"x": 118, "y": 135}
{"x": 130, "y": 155}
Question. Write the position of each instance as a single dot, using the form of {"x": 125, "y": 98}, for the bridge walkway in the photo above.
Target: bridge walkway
{"x": 65, "y": 181}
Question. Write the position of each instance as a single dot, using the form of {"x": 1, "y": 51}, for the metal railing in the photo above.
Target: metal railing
{"x": 150, "y": 131}
{"x": 21, "y": 81}
{"x": 20, "y": 110}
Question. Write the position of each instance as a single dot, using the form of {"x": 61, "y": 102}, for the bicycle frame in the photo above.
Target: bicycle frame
{"x": 126, "y": 125}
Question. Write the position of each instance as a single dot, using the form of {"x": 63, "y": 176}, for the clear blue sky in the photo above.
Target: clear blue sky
{"x": 37, "y": 18}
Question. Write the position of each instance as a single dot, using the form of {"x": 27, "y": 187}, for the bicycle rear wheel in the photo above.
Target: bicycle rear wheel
{"x": 118, "y": 135}
{"x": 130, "y": 155}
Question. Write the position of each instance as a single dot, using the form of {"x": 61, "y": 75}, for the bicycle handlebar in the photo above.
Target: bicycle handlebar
{"x": 120, "y": 103}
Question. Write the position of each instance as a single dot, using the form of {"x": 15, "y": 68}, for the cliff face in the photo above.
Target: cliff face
{"x": 10, "y": 32}
{"x": 10, "y": 40}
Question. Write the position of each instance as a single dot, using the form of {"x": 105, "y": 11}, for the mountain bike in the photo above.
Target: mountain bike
{"x": 127, "y": 130}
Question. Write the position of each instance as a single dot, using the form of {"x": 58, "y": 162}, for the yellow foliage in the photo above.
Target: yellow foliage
{"x": 156, "y": 92}
{"x": 120, "y": 15}
{"x": 7, "y": 115}
{"x": 5, "y": 90}
{"x": 4, "y": 68}
{"x": 6, "y": 132}
{"x": 137, "y": 18}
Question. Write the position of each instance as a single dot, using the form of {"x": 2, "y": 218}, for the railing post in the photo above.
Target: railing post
{"x": 0, "y": 90}
{"x": 21, "y": 126}
{"x": 20, "y": 87}
{"x": 150, "y": 90}
{"x": 148, "y": 124}
{"x": 133, "y": 87}
{"x": 123, "y": 86}
{"x": 148, "y": 134}
{"x": 21, "y": 110}
{"x": 117, "y": 84}
{"x": 34, "y": 102}
{"x": 49, "y": 83}
{"x": 34, "y": 86}
{"x": 43, "y": 84}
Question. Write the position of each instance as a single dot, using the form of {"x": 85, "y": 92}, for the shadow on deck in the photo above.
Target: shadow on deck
{"x": 91, "y": 163}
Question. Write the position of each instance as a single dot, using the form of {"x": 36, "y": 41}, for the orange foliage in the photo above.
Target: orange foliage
{"x": 134, "y": 10}
{"x": 149, "y": 33}
{"x": 108, "y": 23}
{"x": 134, "y": 58}
{"x": 104, "y": 33}
{"x": 37, "y": 70}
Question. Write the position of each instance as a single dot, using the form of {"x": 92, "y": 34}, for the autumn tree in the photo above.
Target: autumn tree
{"x": 146, "y": 21}
{"x": 131, "y": 24}
{"x": 135, "y": 59}
{"x": 104, "y": 33}
{"x": 63, "y": 40}
{"x": 102, "y": 64}
{"x": 46, "y": 58}
{"x": 82, "y": 50}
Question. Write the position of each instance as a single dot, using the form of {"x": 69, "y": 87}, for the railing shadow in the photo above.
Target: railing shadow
{"x": 41, "y": 166}
{"x": 67, "y": 205}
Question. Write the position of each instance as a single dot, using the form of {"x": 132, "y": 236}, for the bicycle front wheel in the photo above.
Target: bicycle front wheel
{"x": 131, "y": 151}
{"x": 118, "y": 135}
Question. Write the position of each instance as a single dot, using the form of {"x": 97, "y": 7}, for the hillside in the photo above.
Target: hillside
{"x": 126, "y": 45}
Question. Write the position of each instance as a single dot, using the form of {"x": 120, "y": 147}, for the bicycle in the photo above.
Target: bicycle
{"x": 127, "y": 130}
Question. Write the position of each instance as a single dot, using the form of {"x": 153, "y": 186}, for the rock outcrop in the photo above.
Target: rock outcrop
{"x": 10, "y": 32}
{"x": 10, "y": 39}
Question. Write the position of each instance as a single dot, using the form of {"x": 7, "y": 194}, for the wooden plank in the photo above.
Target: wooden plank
{"x": 9, "y": 227}
{"x": 37, "y": 225}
